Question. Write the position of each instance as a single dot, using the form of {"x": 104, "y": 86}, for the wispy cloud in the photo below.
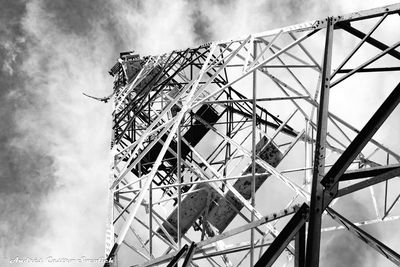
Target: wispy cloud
{"x": 55, "y": 142}
{"x": 51, "y": 162}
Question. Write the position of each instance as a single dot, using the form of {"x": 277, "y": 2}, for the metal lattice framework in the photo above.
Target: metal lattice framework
{"x": 228, "y": 155}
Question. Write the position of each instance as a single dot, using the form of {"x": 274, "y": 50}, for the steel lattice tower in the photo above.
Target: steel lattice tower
{"x": 227, "y": 154}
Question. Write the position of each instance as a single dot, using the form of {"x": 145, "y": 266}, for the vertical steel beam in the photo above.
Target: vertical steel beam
{"x": 253, "y": 158}
{"x": 386, "y": 187}
{"x": 300, "y": 247}
{"x": 151, "y": 220}
{"x": 178, "y": 166}
{"x": 314, "y": 227}
{"x": 110, "y": 239}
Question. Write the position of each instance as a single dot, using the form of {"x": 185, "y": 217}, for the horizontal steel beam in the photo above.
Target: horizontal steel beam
{"x": 248, "y": 226}
{"x": 371, "y": 13}
{"x": 367, "y": 172}
{"x": 371, "y": 69}
{"x": 372, "y": 181}
{"x": 258, "y": 99}
{"x": 233, "y": 249}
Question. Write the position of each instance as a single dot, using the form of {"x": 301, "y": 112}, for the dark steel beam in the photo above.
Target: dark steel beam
{"x": 317, "y": 190}
{"x": 375, "y": 180}
{"x": 189, "y": 255}
{"x": 111, "y": 256}
{"x": 367, "y": 172}
{"x": 285, "y": 236}
{"x": 175, "y": 259}
{"x": 370, "y": 40}
{"x": 332, "y": 178}
{"x": 371, "y": 69}
{"x": 300, "y": 247}
{"x": 365, "y": 237}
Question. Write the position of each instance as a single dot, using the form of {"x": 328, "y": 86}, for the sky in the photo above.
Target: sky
{"x": 55, "y": 142}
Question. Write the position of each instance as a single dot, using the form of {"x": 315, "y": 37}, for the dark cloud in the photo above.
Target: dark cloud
{"x": 345, "y": 249}
{"x": 81, "y": 18}
{"x": 201, "y": 26}
{"x": 11, "y": 39}
{"x": 26, "y": 169}
{"x": 287, "y": 12}
{"x": 200, "y": 21}
{"x": 224, "y": 3}
{"x": 27, "y": 166}
{"x": 75, "y": 16}
{"x": 27, "y": 178}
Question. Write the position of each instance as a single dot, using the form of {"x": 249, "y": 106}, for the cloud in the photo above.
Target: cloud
{"x": 201, "y": 26}
{"x": 26, "y": 169}
{"x": 341, "y": 248}
{"x": 55, "y": 145}
{"x": 154, "y": 27}
{"x": 48, "y": 154}
{"x": 222, "y": 20}
{"x": 351, "y": 250}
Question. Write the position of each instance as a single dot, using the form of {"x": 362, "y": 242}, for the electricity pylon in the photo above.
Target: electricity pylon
{"x": 242, "y": 152}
